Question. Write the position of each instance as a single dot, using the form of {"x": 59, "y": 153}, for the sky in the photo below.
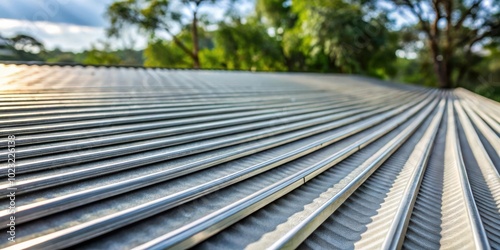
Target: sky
{"x": 67, "y": 24}
{"x": 75, "y": 25}
{"x": 71, "y": 25}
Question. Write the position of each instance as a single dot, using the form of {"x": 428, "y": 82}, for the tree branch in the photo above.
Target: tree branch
{"x": 460, "y": 21}
{"x": 480, "y": 37}
{"x": 449, "y": 26}
{"x": 179, "y": 43}
{"x": 473, "y": 36}
{"x": 418, "y": 14}
{"x": 435, "y": 28}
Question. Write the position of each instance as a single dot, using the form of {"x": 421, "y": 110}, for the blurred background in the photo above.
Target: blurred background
{"x": 440, "y": 43}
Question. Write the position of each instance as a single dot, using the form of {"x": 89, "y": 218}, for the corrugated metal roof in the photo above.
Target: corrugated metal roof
{"x": 122, "y": 158}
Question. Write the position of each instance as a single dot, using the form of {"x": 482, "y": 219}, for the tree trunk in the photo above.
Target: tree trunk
{"x": 289, "y": 64}
{"x": 288, "y": 61}
{"x": 440, "y": 64}
{"x": 463, "y": 69}
{"x": 196, "y": 59}
{"x": 441, "y": 72}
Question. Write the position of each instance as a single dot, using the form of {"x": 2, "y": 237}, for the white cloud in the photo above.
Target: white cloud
{"x": 64, "y": 36}
{"x": 78, "y": 12}
{"x": 77, "y": 24}
{"x": 9, "y": 23}
{"x": 50, "y": 28}
{"x": 74, "y": 29}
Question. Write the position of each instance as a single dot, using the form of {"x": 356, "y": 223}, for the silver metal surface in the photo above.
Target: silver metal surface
{"x": 138, "y": 158}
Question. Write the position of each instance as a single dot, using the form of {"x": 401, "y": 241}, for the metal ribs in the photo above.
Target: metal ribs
{"x": 121, "y": 158}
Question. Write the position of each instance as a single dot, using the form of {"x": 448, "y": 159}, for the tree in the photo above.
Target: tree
{"x": 330, "y": 35}
{"x": 102, "y": 56}
{"x": 341, "y": 36}
{"x": 281, "y": 19}
{"x": 165, "y": 53}
{"x": 453, "y": 29}
{"x": 248, "y": 46}
{"x": 23, "y": 48}
{"x": 26, "y": 43}
{"x": 157, "y": 16}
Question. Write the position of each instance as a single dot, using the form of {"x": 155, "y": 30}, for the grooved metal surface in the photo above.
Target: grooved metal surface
{"x": 137, "y": 158}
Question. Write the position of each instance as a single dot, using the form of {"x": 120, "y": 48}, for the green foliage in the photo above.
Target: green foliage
{"x": 339, "y": 36}
{"x": 21, "y": 48}
{"x": 149, "y": 15}
{"x": 278, "y": 13}
{"x": 165, "y": 53}
{"x": 161, "y": 53}
{"x": 95, "y": 56}
{"x": 452, "y": 31}
{"x": 27, "y": 44}
{"x": 213, "y": 58}
{"x": 233, "y": 45}
{"x": 248, "y": 46}
{"x": 414, "y": 71}
{"x": 58, "y": 56}
{"x": 156, "y": 16}
{"x": 99, "y": 57}
{"x": 483, "y": 77}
